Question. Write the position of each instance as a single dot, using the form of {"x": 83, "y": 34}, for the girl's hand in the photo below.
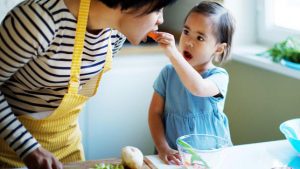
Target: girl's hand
{"x": 166, "y": 41}
{"x": 170, "y": 156}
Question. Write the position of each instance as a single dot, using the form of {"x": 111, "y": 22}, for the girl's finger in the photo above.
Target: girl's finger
{"x": 164, "y": 158}
{"x": 165, "y": 41}
{"x": 173, "y": 159}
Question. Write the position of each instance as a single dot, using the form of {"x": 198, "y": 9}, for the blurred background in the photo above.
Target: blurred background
{"x": 261, "y": 93}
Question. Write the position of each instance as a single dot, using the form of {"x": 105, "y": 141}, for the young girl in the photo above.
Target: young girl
{"x": 189, "y": 95}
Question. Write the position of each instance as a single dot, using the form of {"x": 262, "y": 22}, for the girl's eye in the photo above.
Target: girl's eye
{"x": 199, "y": 38}
{"x": 186, "y": 32}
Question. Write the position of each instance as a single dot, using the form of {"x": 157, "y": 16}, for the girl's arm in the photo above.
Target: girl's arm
{"x": 155, "y": 122}
{"x": 156, "y": 126}
{"x": 190, "y": 78}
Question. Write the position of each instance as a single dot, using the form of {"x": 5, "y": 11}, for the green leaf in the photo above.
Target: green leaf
{"x": 108, "y": 166}
{"x": 190, "y": 149}
{"x": 288, "y": 49}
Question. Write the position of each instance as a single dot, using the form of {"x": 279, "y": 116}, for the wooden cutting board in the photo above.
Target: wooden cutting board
{"x": 91, "y": 164}
{"x": 155, "y": 163}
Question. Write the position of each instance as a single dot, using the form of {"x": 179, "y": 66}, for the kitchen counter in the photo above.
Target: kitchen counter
{"x": 266, "y": 155}
{"x": 91, "y": 163}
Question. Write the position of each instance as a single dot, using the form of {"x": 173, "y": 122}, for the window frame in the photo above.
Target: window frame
{"x": 267, "y": 32}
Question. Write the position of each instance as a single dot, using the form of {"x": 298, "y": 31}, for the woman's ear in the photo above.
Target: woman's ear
{"x": 220, "y": 49}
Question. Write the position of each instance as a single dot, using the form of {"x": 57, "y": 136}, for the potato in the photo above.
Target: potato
{"x": 132, "y": 157}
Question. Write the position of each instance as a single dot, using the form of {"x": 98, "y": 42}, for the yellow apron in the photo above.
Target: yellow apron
{"x": 59, "y": 133}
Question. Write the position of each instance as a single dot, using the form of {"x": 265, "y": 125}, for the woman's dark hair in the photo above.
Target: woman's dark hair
{"x": 224, "y": 24}
{"x": 154, "y": 5}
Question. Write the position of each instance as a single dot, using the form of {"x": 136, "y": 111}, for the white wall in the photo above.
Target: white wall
{"x": 174, "y": 15}
{"x": 117, "y": 115}
{"x": 6, "y": 5}
{"x": 244, "y": 11}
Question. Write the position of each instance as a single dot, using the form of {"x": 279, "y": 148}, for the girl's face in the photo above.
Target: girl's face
{"x": 197, "y": 43}
{"x": 135, "y": 26}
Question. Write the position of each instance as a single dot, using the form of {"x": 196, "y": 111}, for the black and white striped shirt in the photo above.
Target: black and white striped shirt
{"x": 36, "y": 46}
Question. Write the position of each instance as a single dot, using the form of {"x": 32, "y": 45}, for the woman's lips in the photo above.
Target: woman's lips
{"x": 187, "y": 55}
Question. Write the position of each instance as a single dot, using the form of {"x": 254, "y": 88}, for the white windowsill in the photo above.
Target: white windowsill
{"x": 243, "y": 54}
{"x": 247, "y": 55}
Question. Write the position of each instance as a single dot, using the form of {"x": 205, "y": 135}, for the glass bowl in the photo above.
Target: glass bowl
{"x": 291, "y": 131}
{"x": 202, "y": 151}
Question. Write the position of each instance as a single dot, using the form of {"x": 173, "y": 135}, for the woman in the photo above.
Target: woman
{"x": 43, "y": 83}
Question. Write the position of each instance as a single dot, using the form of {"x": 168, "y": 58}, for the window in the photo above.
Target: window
{"x": 277, "y": 19}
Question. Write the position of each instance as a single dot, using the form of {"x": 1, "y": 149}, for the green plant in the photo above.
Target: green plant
{"x": 108, "y": 166}
{"x": 288, "y": 49}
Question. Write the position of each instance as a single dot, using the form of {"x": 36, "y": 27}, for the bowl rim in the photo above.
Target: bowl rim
{"x": 295, "y": 119}
{"x": 210, "y": 135}
{"x": 284, "y": 124}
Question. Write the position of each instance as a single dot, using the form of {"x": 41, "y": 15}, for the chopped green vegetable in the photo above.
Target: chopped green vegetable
{"x": 288, "y": 49}
{"x": 108, "y": 166}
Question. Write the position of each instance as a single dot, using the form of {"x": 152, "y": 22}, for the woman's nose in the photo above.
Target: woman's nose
{"x": 160, "y": 19}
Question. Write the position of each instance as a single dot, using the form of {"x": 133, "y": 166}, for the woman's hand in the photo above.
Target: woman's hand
{"x": 170, "y": 156}
{"x": 42, "y": 159}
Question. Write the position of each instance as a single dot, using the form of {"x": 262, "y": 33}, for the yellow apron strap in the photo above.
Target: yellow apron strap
{"x": 78, "y": 49}
{"x": 107, "y": 65}
{"x": 91, "y": 86}
{"x": 78, "y": 46}
{"x": 108, "y": 58}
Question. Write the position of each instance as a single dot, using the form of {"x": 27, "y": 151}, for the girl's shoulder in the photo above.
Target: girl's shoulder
{"x": 216, "y": 70}
{"x": 168, "y": 69}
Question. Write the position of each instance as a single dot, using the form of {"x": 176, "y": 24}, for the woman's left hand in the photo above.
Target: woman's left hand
{"x": 40, "y": 158}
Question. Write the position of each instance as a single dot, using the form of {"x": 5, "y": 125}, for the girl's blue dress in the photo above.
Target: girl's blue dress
{"x": 185, "y": 113}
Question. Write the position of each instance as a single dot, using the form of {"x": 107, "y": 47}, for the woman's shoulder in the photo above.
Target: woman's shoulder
{"x": 117, "y": 33}
{"x": 48, "y": 6}
{"x": 36, "y": 12}
{"x": 117, "y": 36}
{"x": 33, "y": 22}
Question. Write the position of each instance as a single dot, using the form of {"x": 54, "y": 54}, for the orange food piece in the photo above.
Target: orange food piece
{"x": 153, "y": 35}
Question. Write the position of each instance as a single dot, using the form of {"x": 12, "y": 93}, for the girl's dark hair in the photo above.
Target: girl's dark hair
{"x": 154, "y": 5}
{"x": 224, "y": 24}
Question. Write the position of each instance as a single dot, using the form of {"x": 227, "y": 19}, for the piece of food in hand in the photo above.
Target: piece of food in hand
{"x": 132, "y": 157}
{"x": 153, "y": 35}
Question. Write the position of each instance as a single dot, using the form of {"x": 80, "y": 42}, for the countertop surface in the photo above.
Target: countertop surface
{"x": 265, "y": 155}
{"x": 89, "y": 164}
